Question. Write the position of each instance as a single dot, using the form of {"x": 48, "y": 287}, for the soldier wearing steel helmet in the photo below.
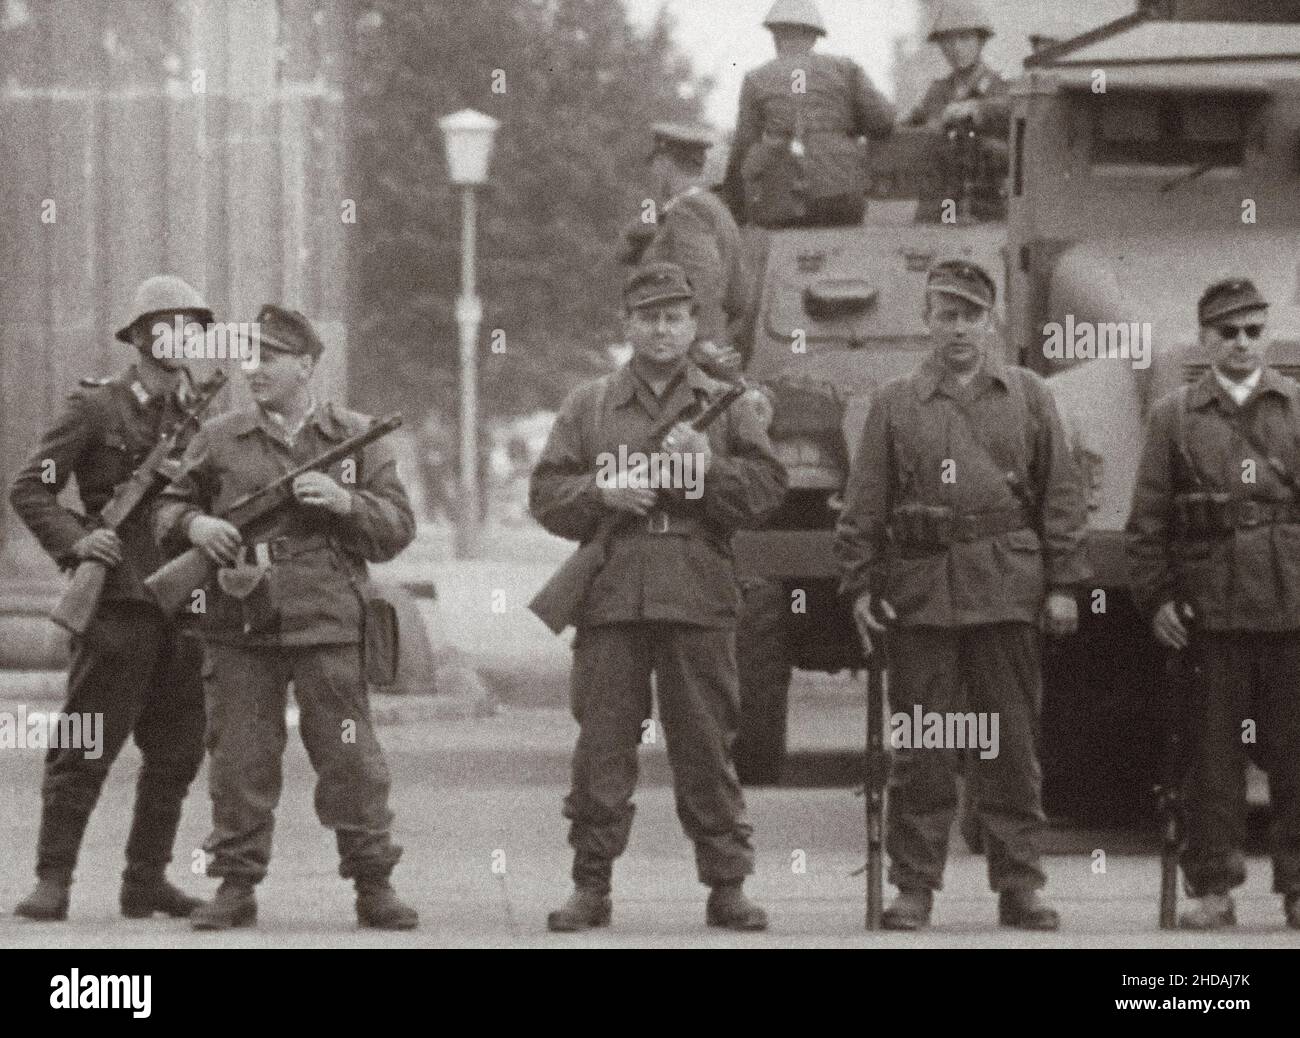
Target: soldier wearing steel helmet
{"x": 130, "y": 667}
{"x": 797, "y": 160}
{"x": 971, "y": 89}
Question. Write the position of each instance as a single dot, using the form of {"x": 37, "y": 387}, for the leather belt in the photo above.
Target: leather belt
{"x": 661, "y": 523}
{"x": 978, "y": 525}
{"x": 280, "y": 549}
{"x": 1263, "y": 513}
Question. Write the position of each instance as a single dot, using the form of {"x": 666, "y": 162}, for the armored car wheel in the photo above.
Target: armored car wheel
{"x": 764, "y": 665}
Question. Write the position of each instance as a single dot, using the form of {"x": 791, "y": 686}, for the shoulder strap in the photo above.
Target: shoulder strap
{"x": 1183, "y": 394}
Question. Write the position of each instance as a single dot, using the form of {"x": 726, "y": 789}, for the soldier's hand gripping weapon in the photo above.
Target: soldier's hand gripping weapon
{"x": 77, "y": 606}
{"x": 1176, "y": 693}
{"x": 175, "y": 582}
{"x": 557, "y": 604}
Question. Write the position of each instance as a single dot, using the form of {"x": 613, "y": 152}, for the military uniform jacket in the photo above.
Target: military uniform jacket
{"x": 839, "y": 106}
{"x": 685, "y": 577}
{"x": 106, "y": 429}
{"x": 697, "y": 232}
{"x": 313, "y": 592}
{"x": 1248, "y": 579}
{"x": 919, "y": 446}
{"x": 980, "y": 83}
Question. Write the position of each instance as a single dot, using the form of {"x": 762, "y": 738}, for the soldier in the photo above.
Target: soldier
{"x": 287, "y": 608}
{"x": 971, "y": 103}
{"x": 796, "y": 160}
{"x": 664, "y": 604}
{"x": 1214, "y": 545}
{"x": 696, "y": 231}
{"x": 963, "y": 524}
{"x": 130, "y": 667}
{"x": 971, "y": 89}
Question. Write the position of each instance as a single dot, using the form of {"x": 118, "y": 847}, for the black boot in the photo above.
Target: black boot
{"x": 379, "y": 908}
{"x": 586, "y": 908}
{"x": 1025, "y": 910}
{"x": 142, "y": 896}
{"x": 234, "y": 906}
{"x": 48, "y": 902}
{"x": 910, "y": 910}
{"x": 729, "y": 908}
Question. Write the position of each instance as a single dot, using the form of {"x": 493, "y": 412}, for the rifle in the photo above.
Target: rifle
{"x": 172, "y": 583}
{"x": 1179, "y": 684}
{"x": 80, "y": 600}
{"x": 558, "y": 602}
{"x": 877, "y": 692}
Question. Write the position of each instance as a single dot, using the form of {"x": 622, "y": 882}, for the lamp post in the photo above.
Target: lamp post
{"x": 468, "y": 138}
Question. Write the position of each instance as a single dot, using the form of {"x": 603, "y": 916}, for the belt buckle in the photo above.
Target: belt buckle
{"x": 278, "y": 549}
{"x": 653, "y": 527}
{"x": 1249, "y": 513}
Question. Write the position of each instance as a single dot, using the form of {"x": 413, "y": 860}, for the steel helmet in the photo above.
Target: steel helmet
{"x": 802, "y": 13}
{"x": 158, "y": 294}
{"x": 961, "y": 16}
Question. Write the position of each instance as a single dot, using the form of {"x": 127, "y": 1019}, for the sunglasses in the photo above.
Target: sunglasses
{"x": 1229, "y": 332}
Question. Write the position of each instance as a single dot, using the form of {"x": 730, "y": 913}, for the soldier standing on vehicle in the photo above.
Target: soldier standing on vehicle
{"x": 963, "y": 525}
{"x": 130, "y": 667}
{"x": 1214, "y": 535}
{"x": 664, "y": 604}
{"x": 971, "y": 105}
{"x": 290, "y": 607}
{"x": 696, "y": 231}
{"x": 971, "y": 89}
{"x": 797, "y": 160}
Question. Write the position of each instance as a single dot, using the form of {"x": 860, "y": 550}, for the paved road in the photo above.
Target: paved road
{"x": 466, "y": 790}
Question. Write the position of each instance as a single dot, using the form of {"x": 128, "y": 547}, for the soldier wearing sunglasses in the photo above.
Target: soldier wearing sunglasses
{"x": 1214, "y": 546}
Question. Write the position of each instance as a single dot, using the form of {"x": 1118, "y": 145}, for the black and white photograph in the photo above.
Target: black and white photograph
{"x": 651, "y": 474}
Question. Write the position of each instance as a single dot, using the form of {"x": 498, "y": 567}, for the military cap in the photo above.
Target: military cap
{"x": 288, "y": 331}
{"x": 656, "y": 283}
{"x": 160, "y": 294}
{"x": 681, "y": 141}
{"x": 802, "y": 13}
{"x": 961, "y": 16}
{"x": 1227, "y": 297}
{"x": 964, "y": 279}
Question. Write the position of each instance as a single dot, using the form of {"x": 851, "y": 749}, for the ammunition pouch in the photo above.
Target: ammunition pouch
{"x": 1206, "y": 514}
{"x": 930, "y": 529}
{"x": 380, "y": 642}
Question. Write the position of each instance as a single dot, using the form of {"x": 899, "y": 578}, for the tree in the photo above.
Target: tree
{"x": 575, "y": 88}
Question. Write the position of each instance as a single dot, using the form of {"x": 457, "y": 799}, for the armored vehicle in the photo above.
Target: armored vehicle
{"x": 1147, "y": 158}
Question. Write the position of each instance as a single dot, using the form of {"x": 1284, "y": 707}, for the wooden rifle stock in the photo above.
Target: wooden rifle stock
{"x": 80, "y": 600}
{"x": 559, "y": 601}
{"x": 174, "y": 582}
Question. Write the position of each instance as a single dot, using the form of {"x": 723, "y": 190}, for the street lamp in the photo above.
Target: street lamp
{"x": 468, "y": 137}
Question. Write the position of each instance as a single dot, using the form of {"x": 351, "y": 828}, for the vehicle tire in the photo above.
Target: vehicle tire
{"x": 764, "y": 668}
